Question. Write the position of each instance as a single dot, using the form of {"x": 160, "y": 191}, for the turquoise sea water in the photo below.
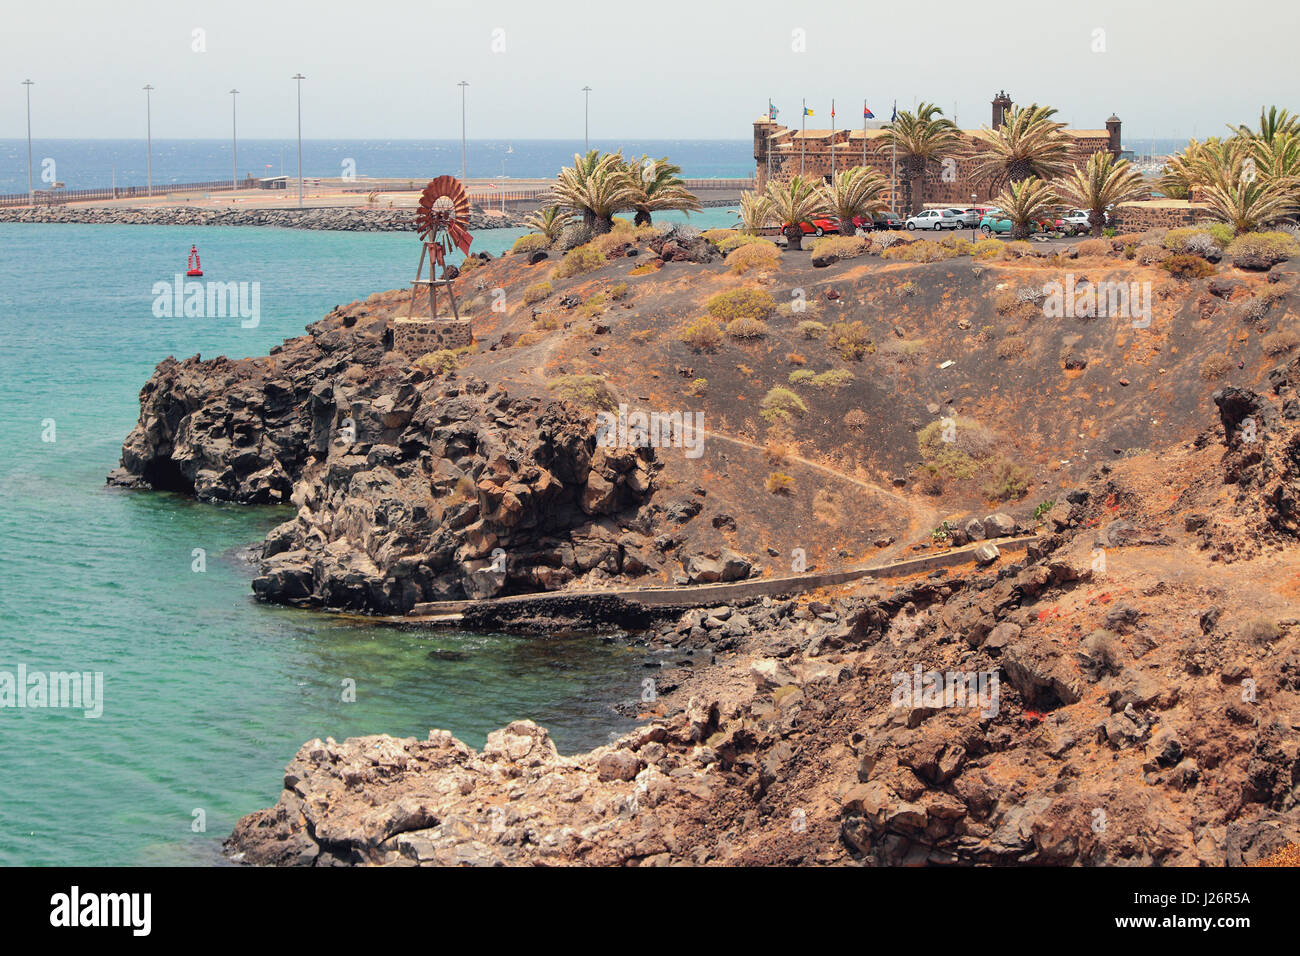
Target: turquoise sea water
{"x": 207, "y": 694}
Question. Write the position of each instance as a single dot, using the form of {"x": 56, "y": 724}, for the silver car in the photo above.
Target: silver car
{"x": 934, "y": 219}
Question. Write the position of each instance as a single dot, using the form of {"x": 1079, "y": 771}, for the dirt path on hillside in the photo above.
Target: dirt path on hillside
{"x": 921, "y": 517}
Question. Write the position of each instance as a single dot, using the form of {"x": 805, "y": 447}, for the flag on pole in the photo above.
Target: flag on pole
{"x": 894, "y": 118}
{"x": 832, "y": 114}
{"x": 866, "y": 113}
{"x": 771, "y": 111}
{"x": 807, "y": 111}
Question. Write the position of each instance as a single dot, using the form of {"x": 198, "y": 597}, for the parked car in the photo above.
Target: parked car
{"x": 1076, "y": 222}
{"x": 887, "y": 220}
{"x": 970, "y": 218}
{"x": 995, "y": 223}
{"x": 820, "y": 227}
{"x": 934, "y": 219}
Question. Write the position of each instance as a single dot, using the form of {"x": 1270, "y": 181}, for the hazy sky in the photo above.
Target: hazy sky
{"x": 389, "y": 68}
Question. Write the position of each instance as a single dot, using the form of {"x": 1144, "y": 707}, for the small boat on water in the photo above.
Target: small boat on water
{"x": 193, "y": 267}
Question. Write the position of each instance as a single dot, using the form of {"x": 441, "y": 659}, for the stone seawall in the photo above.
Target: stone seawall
{"x": 341, "y": 219}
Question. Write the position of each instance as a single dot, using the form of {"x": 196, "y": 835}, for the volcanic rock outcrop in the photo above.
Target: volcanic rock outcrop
{"x": 407, "y": 489}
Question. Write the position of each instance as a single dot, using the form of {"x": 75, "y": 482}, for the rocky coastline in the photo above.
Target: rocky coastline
{"x": 778, "y": 736}
{"x": 1128, "y": 686}
{"x": 335, "y": 218}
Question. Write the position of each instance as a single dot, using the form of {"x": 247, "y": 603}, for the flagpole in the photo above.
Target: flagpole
{"x": 832, "y": 139}
{"x": 864, "y": 132}
{"x": 803, "y": 138}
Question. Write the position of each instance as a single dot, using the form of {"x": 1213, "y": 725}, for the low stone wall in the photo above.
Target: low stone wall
{"x": 416, "y": 336}
{"x": 1158, "y": 214}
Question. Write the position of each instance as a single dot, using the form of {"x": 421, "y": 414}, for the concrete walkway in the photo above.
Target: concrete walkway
{"x": 697, "y": 595}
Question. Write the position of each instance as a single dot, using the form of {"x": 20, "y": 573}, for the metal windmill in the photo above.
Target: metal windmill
{"x": 441, "y": 221}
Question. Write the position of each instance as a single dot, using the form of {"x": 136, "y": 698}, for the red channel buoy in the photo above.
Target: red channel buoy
{"x": 194, "y": 268}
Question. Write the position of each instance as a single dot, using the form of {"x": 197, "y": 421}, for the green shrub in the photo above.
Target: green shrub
{"x": 537, "y": 292}
{"x": 851, "y": 339}
{"x": 1272, "y": 247}
{"x": 1185, "y": 266}
{"x": 1279, "y": 342}
{"x": 1216, "y": 366}
{"x": 613, "y": 243}
{"x": 439, "y": 362}
{"x": 1149, "y": 255}
{"x": 733, "y": 242}
{"x": 1094, "y": 247}
{"x": 1018, "y": 249}
{"x": 1221, "y": 232}
{"x": 759, "y": 255}
{"x": 743, "y": 303}
{"x": 968, "y": 436}
{"x": 579, "y": 261}
{"x": 923, "y": 250}
{"x": 718, "y": 236}
{"x": 811, "y": 330}
{"x": 986, "y": 248}
{"x": 618, "y": 292}
{"x": 533, "y": 242}
{"x": 1005, "y": 481}
{"x": 856, "y": 419}
{"x": 588, "y": 391}
{"x": 779, "y": 483}
{"x": 801, "y": 376}
{"x": 1177, "y": 240}
{"x": 781, "y": 405}
{"x": 845, "y": 247}
{"x": 1110, "y": 232}
{"x": 1043, "y": 507}
{"x": 835, "y": 378}
{"x": 746, "y": 328}
{"x": 703, "y": 335}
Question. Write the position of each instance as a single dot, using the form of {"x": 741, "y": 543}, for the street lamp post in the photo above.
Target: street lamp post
{"x": 464, "y": 165}
{"x": 586, "y": 119}
{"x": 31, "y": 196}
{"x": 234, "y": 144}
{"x": 299, "y": 77}
{"x": 148, "y": 114}
{"x": 974, "y": 198}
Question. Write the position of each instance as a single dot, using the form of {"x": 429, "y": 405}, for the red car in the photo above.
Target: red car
{"x": 820, "y": 227}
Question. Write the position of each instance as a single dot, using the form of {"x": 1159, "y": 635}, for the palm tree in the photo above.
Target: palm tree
{"x": 1024, "y": 200}
{"x": 1101, "y": 183}
{"x": 920, "y": 139}
{"x": 1028, "y": 143}
{"x": 550, "y": 222}
{"x": 1279, "y": 159}
{"x": 1272, "y": 124}
{"x": 660, "y": 186}
{"x": 1241, "y": 197}
{"x": 598, "y": 186}
{"x": 756, "y": 212}
{"x": 794, "y": 201}
{"x": 1185, "y": 170}
{"x": 854, "y": 192}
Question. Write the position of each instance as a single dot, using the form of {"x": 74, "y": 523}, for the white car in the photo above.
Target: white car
{"x": 1077, "y": 220}
{"x": 935, "y": 219}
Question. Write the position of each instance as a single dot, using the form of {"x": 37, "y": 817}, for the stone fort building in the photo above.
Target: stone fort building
{"x": 779, "y": 150}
